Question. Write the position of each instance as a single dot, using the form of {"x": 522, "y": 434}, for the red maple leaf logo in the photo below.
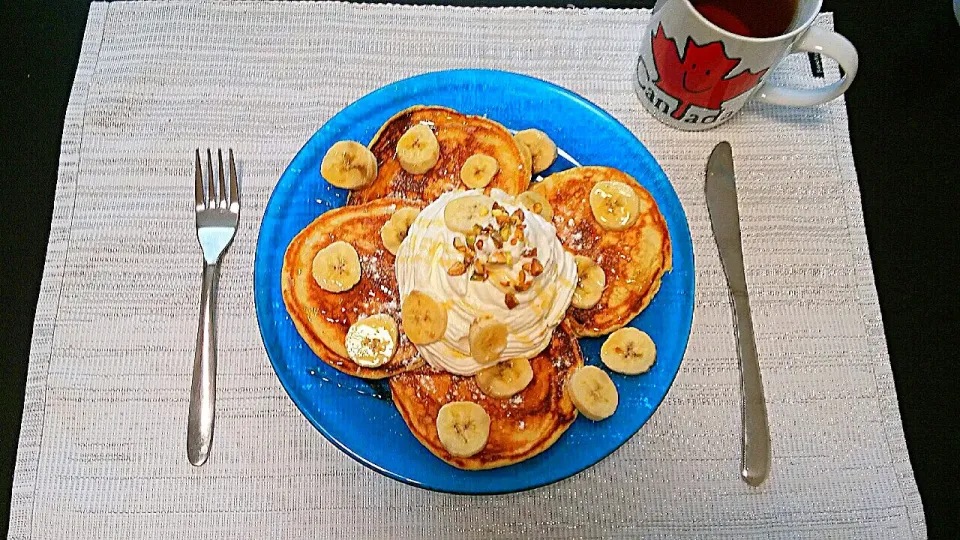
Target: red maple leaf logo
{"x": 698, "y": 79}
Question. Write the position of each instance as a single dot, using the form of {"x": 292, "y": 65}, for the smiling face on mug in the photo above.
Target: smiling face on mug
{"x": 704, "y": 68}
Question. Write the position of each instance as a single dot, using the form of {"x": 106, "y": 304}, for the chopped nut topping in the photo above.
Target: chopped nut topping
{"x": 510, "y": 300}
{"x": 522, "y": 284}
{"x": 504, "y": 229}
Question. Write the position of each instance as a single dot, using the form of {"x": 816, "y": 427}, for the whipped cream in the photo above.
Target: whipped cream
{"x": 428, "y": 252}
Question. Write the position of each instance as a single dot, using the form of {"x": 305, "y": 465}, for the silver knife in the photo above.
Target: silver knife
{"x": 721, "y": 190}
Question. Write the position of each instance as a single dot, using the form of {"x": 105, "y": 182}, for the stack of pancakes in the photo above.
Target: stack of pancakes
{"x": 634, "y": 261}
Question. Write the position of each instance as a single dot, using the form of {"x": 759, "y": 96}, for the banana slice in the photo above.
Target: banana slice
{"x": 537, "y": 203}
{"x": 488, "y": 338}
{"x": 526, "y": 156}
{"x": 628, "y": 351}
{"x": 590, "y": 283}
{"x": 460, "y": 215}
{"x": 506, "y": 378}
{"x": 418, "y": 149}
{"x": 478, "y": 170}
{"x": 348, "y": 165}
{"x": 593, "y": 393}
{"x": 615, "y": 205}
{"x": 424, "y": 319}
{"x": 336, "y": 268}
{"x": 542, "y": 149}
{"x": 371, "y": 341}
{"x": 394, "y": 231}
{"x": 463, "y": 427}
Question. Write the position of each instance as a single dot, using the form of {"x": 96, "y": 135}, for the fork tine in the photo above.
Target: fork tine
{"x": 222, "y": 201}
{"x": 198, "y": 186}
{"x": 211, "y": 194}
{"x": 234, "y": 186}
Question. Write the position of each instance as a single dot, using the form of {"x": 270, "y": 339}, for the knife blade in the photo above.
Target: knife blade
{"x": 721, "y": 193}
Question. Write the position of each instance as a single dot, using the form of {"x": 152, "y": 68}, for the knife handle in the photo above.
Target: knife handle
{"x": 756, "y": 433}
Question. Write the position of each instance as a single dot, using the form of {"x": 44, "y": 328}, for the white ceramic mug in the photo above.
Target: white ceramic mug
{"x": 694, "y": 75}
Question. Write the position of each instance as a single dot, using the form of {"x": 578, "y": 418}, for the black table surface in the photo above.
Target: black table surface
{"x": 904, "y": 109}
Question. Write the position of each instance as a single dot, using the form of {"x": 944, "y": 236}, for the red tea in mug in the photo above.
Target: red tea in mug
{"x": 751, "y": 18}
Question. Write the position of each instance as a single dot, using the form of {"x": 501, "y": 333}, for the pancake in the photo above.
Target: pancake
{"x": 521, "y": 426}
{"x": 460, "y": 136}
{"x": 634, "y": 259}
{"x": 322, "y": 317}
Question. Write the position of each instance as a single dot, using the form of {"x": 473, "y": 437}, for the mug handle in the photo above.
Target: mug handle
{"x": 816, "y": 40}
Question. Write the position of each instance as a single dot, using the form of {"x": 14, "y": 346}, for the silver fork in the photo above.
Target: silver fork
{"x": 218, "y": 212}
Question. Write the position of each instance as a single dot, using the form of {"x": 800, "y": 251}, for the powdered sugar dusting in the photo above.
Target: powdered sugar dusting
{"x": 370, "y": 268}
{"x": 426, "y": 381}
{"x": 391, "y": 307}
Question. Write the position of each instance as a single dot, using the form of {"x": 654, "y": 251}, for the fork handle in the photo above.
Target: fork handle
{"x": 203, "y": 391}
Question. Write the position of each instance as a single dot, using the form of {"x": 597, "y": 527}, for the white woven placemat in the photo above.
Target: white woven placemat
{"x": 102, "y": 447}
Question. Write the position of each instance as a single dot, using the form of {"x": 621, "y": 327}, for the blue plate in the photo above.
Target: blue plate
{"x": 352, "y": 413}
